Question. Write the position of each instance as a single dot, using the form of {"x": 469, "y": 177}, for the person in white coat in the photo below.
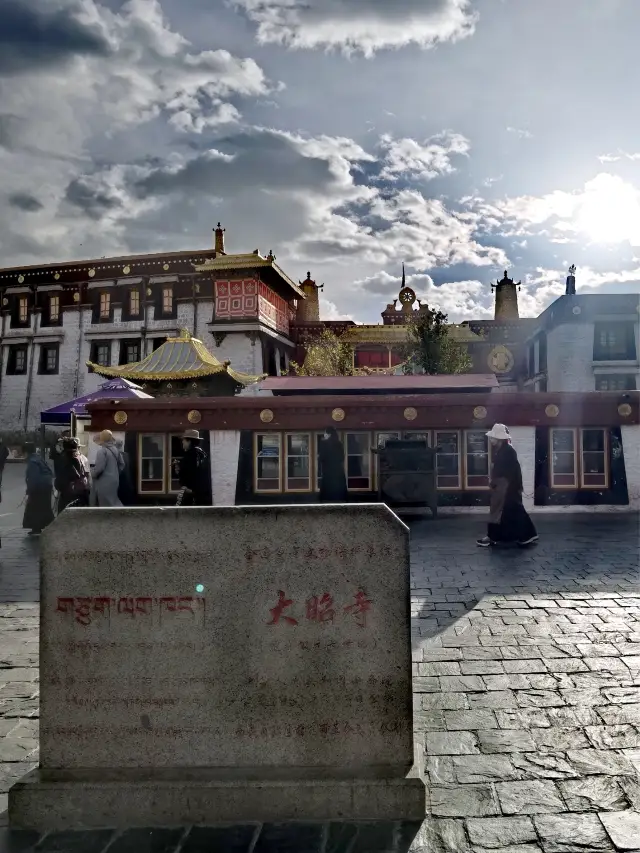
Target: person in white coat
{"x": 107, "y": 469}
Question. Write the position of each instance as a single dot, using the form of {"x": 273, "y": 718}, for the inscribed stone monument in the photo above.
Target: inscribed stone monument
{"x": 222, "y": 664}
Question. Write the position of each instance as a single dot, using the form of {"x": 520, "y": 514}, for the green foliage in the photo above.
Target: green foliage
{"x": 432, "y": 349}
{"x": 326, "y": 355}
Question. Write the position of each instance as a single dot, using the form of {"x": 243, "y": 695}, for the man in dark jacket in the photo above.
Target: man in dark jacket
{"x": 193, "y": 471}
{"x": 4, "y": 455}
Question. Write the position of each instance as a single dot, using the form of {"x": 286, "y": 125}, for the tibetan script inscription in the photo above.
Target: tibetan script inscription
{"x": 86, "y": 609}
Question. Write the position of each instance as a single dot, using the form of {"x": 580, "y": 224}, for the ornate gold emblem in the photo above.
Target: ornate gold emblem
{"x": 149, "y": 291}
{"x": 479, "y": 413}
{"x": 552, "y": 411}
{"x": 57, "y": 276}
{"x": 76, "y": 297}
{"x": 624, "y": 409}
{"x": 120, "y": 418}
{"x": 337, "y": 415}
{"x": 126, "y": 270}
{"x": 266, "y": 416}
{"x": 194, "y": 416}
{"x": 407, "y": 296}
{"x": 165, "y": 266}
{"x": 501, "y": 359}
{"x": 20, "y": 279}
{"x": 92, "y": 272}
{"x": 410, "y": 413}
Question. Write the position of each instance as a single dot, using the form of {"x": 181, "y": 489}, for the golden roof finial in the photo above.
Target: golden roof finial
{"x": 184, "y": 334}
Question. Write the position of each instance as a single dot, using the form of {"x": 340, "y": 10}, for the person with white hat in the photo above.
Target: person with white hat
{"x": 509, "y": 521}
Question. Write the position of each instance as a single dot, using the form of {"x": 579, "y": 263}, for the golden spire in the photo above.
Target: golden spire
{"x": 218, "y": 243}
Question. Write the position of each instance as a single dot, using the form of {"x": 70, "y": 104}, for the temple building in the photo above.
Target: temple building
{"x": 65, "y": 325}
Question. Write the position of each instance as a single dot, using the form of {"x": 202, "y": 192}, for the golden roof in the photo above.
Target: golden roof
{"x": 183, "y": 357}
{"x": 246, "y": 261}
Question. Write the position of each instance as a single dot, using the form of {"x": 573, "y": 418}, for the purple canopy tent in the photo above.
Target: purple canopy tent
{"x": 114, "y": 389}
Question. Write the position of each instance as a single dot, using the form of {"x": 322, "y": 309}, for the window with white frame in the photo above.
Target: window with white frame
{"x": 151, "y": 463}
{"x": 268, "y": 474}
{"x": 383, "y": 437}
{"x": 616, "y": 382}
{"x": 477, "y": 459}
{"x": 447, "y": 443}
{"x": 298, "y": 462}
{"x": 579, "y": 458}
{"x": 358, "y": 460}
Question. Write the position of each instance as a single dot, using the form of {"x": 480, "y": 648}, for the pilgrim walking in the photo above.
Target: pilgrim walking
{"x": 73, "y": 477}
{"x": 108, "y": 466}
{"x": 333, "y": 484}
{"x": 39, "y": 481}
{"x": 192, "y": 471}
{"x": 509, "y": 521}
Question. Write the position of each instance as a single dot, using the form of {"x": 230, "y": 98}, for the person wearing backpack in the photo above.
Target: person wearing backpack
{"x": 73, "y": 477}
{"x": 193, "y": 471}
{"x": 108, "y": 466}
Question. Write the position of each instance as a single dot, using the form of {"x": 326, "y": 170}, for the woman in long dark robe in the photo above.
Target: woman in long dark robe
{"x": 193, "y": 471}
{"x": 333, "y": 484}
{"x": 509, "y": 521}
{"x": 39, "y": 480}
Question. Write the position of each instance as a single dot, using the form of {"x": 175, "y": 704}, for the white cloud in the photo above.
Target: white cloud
{"x": 619, "y": 155}
{"x": 606, "y": 210}
{"x": 407, "y": 158}
{"x": 364, "y": 26}
{"x": 520, "y": 132}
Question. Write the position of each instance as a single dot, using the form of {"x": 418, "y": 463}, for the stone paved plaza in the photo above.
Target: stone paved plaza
{"x": 526, "y": 687}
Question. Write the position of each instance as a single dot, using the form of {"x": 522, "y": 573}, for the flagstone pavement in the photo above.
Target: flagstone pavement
{"x": 526, "y": 694}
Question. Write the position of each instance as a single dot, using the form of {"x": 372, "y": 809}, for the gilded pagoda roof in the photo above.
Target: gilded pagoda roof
{"x": 248, "y": 261}
{"x": 178, "y": 358}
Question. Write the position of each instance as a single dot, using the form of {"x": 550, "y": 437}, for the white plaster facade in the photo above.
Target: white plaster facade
{"x": 631, "y": 448}
{"x": 224, "y": 449}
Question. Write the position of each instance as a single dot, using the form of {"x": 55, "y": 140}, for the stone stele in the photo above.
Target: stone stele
{"x": 214, "y": 664}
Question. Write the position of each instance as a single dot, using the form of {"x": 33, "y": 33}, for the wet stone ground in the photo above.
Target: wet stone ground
{"x": 526, "y": 693}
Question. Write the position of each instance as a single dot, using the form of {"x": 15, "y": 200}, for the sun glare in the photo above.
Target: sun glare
{"x": 609, "y": 211}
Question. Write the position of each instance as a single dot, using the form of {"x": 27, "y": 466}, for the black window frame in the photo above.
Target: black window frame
{"x": 16, "y": 323}
{"x": 126, "y": 303}
{"x": 43, "y": 368}
{"x": 125, "y": 343}
{"x": 45, "y": 314}
{"x": 95, "y": 347}
{"x": 95, "y": 313}
{"x": 12, "y": 355}
{"x": 627, "y": 328}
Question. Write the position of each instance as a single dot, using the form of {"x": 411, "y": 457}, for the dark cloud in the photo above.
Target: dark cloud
{"x": 35, "y": 36}
{"x": 91, "y": 199}
{"x": 25, "y": 201}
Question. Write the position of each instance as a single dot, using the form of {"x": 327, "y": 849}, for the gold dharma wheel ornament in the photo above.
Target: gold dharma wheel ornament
{"x": 126, "y": 270}
{"x": 91, "y": 273}
{"x": 165, "y": 267}
{"x": 57, "y": 276}
{"x": 552, "y": 411}
{"x": 76, "y": 297}
{"x": 479, "y": 413}
{"x": 120, "y": 418}
{"x": 194, "y": 416}
{"x": 501, "y": 359}
{"x": 624, "y": 410}
{"x": 20, "y": 279}
{"x": 266, "y": 416}
{"x": 337, "y": 415}
{"x": 410, "y": 414}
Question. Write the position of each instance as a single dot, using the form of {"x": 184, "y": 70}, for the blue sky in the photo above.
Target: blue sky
{"x": 457, "y": 136}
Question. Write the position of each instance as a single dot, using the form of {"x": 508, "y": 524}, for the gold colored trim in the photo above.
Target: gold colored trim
{"x": 605, "y": 456}
{"x": 246, "y": 262}
{"x": 163, "y": 436}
